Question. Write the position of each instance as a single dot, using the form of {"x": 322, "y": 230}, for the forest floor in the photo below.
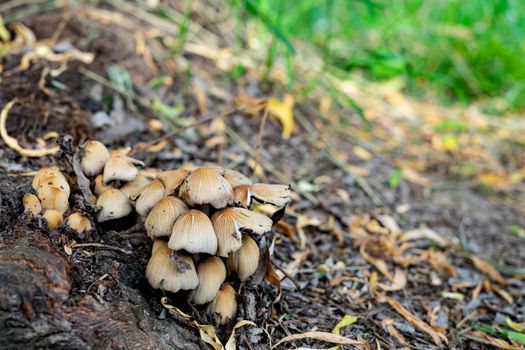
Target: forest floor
{"x": 407, "y": 226}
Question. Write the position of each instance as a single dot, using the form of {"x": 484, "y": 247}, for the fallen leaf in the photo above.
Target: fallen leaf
{"x": 321, "y": 336}
{"x": 413, "y": 176}
{"x": 345, "y": 321}
{"x": 514, "y": 325}
{"x": 487, "y": 339}
{"x": 425, "y": 232}
{"x": 379, "y": 264}
{"x": 488, "y": 270}
{"x": 503, "y": 293}
{"x": 399, "y": 282}
{"x": 389, "y": 325}
{"x": 453, "y": 295}
{"x": 231, "y": 343}
{"x": 283, "y": 111}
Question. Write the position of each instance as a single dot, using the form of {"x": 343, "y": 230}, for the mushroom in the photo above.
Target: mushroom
{"x": 78, "y": 223}
{"x": 223, "y": 307}
{"x": 245, "y": 260}
{"x": 150, "y": 195}
{"x": 194, "y": 233}
{"x": 100, "y": 186}
{"x": 278, "y": 195}
{"x": 206, "y": 185}
{"x": 171, "y": 271}
{"x": 161, "y": 218}
{"x": 53, "y": 197}
{"x": 114, "y": 205}
{"x": 45, "y": 172}
{"x": 172, "y": 179}
{"x": 53, "y": 218}
{"x": 121, "y": 167}
{"x": 31, "y": 204}
{"x": 55, "y": 181}
{"x": 235, "y": 178}
{"x": 132, "y": 189}
{"x": 95, "y": 155}
{"x": 229, "y": 224}
{"x": 211, "y": 273}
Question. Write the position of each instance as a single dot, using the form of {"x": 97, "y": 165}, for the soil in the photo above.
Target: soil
{"x": 99, "y": 299}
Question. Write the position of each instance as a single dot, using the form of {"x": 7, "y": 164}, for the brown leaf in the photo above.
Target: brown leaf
{"x": 321, "y": 336}
{"x": 379, "y": 264}
{"x": 389, "y": 325}
{"x": 488, "y": 270}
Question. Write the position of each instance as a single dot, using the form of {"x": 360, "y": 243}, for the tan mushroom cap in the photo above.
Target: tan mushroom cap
{"x": 55, "y": 181}
{"x": 53, "y": 198}
{"x": 172, "y": 179}
{"x": 206, "y": 185}
{"x": 235, "y": 178}
{"x": 278, "y": 195}
{"x": 94, "y": 158}
{"x": 229, "y": 224}
{"x": 245, "y": 260}
{"x": 150, "y": 195}
{"x": 133, "y": 188}
{"x": 114, "y": 205}
{"x": 100, "y": 186}
{"x": 171, "y": 271}
{"x": 46, "y": 172}
{"x": 223, "y": 307}
{"x": 53, "y": 218}
{"x": 121, "y": 167}
{"x": 78, "y": 222}
{"x": 31, "y": 204}
{"x": 194, "y": 233}
{"x": 161, "y": 218}
{"x": 211, "y": 272}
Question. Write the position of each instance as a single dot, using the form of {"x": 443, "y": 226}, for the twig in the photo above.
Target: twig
{"x": 100, "y": 246}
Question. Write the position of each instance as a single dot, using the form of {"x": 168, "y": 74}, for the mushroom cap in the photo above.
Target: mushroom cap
{"x": 150, "y": 195}
{"x": 229, "y": 224}
{"x": 223, "y": 307}
{"x": 211, "y": 273}
{"x": 53, "y": 218}
{"x": 278, "y": 195}
{"x": 133, "y": 188}
{"x": 114, "y": 204}
{"x": 52, "y": 197}
{"x": 206, "y": 185}
{"x": 161, "y": 218}
{"x": 235, "y": 178}
{"x": 245, "y": 260}
{"x": 45, "y": 172}
{"x": 32, "y": 204}
{"x": 170, "y": 270}
{"x": 100, "y": 186}
{"x": 78, "y": 222}
{"x": 121, "y": 167}
{"x": 194, "y": 233}
{"x": 55, "y": 181}
{"x": 94, "y": 158}
{"x": 172, "y": 179}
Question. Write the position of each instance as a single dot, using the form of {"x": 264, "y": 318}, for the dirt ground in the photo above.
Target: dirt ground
{"x": 339, "y": 250}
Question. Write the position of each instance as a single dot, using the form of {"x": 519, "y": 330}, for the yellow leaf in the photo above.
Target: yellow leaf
{"x": 514, "y": 325}
{"x": 283, "y": 111}
{"x": 345, "y": 321}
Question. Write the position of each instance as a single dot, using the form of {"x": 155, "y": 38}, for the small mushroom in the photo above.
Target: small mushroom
{"x": 161, "y": 218}
{"x": 95, "y": 155}
{"x": 194, "y": 233}
{"x": 229, "y": 224}
{"x": 32, "y": 204}
{"x": 114, "y": 205}
{"x": 45, "y": 172}
{"x": 132, "y": 189}
{"x": 78, "y": 223}
{"x": 211, "y": 273}
{"x": 171, "y": 271}
{"x": 223, "y": 307}
{"x": 100, "y": 186}
{"x": 55, "y": 181}
{"x": 121, "y": 167}
{"x": 172, "y": 179}
{"x": 206, "y": 185}
{"x": 53, "y": 197}
{"x": 245, "y": 260}
{"x": 278, "y": 195}
{"x": 235, "y": 178}
{"x": 150, "y": 195}
{"x": 53, "y": 218}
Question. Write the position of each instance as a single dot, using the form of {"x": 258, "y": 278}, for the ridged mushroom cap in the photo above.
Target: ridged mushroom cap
{"x": 206, "y": 185}
{"x": 211, "y": 273}
{"x": 223, "y": 307}
{"x": 194, "y": 233}
{"x": 95, "y": 155}
{"x": 172, "y": 179}
{"x": 121, "y": 167}
{"x": 235, "y": 178}
{"x": 161, "y": 218}
{"x": 32, "y": 204}
{"x": 171, "y": 271}
{"x": 150, "y": 195}
{"x": 231, "y": 222}
{"x": 245, "y": 260}
{"x": 114, "y": 205}
{"x": 278, "y": 195}
{"x": 133, "y": 188}
{"x": 78, "y": 222}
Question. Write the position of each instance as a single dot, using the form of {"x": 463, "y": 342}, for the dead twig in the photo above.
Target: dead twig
{"x": 100, "y": 246}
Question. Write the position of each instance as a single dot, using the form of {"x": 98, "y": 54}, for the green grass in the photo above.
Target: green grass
{"x": 455, "y": 50}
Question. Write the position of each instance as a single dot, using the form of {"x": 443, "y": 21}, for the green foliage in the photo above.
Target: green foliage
{"x": 458, "y": 50}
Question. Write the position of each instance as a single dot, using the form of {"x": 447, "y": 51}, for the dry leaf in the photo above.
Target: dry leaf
{"x": 379, "y": 264}
{"x": 231, "y": 343}
{"x": 389, "y": 325}
{"x": 488, "y": 270}
{"x": 504, "y": 294}
{"x": 283, "y": 111}
{"x": 424, "y": 232}
{"x": 399, "y": 283}
{"x": 321, "y": 336}
{"x": 413, "y": 176}
{"x": 437, "y": 337}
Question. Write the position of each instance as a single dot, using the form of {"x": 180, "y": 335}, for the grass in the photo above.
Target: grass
{"x": 454, "y": 50}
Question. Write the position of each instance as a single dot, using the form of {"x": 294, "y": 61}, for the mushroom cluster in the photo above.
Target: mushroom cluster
{"x": 200, "y": 219}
